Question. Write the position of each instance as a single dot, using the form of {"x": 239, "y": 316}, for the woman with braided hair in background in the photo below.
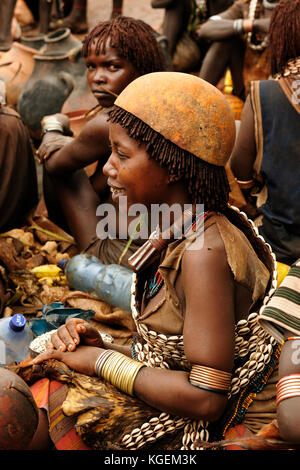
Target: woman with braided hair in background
{"x": 116, "y": 52}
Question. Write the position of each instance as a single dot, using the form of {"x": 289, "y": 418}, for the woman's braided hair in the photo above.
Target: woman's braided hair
{"x": 206, "y": 183}
{"x": 284, "y": 34}
{"x": 133, "y": 40}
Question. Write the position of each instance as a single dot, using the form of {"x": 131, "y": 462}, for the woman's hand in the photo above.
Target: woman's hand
{"x": 52, "y": 141}
{"x": 74, "y": 332}
{"x": 82, "y": 360}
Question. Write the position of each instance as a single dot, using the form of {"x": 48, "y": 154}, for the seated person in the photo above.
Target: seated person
{"x": 193, "y": 289}
{"x": 116, "y": 52}
{"x": 281, "y": 318}
{"x": 18, "y": 178}
{"x": 266, "y": 153}
{"x": 181, "y": 19}
{"x": 225, "y": 31}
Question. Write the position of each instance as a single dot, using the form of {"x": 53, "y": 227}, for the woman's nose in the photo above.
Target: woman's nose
{"x": 109, "y": 169}
{"x": 99, "y": 76}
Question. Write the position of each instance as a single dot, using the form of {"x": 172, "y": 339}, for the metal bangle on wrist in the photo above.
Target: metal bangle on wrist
{"x": 52, "y": 125}
{"x": 238, "y": 26}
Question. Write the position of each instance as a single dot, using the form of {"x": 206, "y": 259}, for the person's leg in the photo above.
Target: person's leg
{"x": 236, "y": 67}
{"x": 175, "y": 22}
{"x": 55, "y": 213}
{"x": 117, "y": 8}
{"x": 220, "y": 55}
{"x": 215, "y": 62}
{"x": 77, "y": 19}
{"x": 45, "y": 8}
{"x": 6, "y": 14}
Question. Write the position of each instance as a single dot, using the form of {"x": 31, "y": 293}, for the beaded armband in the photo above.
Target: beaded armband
{"x": 212, "y": 380}
{"x": 288, "y": 387}
{"x": 118, "y": 369}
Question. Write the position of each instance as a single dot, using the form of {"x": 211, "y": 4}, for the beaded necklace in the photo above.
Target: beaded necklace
{"x": 252, "y": 15}
{"x": 154, "y": 284}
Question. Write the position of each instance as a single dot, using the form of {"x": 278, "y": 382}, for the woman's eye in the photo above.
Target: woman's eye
{"x": 113, "y": 68}
{"x": 90, "y": 66}
{"x": 122, "y": 155}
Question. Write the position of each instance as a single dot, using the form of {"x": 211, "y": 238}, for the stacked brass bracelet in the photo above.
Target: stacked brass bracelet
{"x": 288, "y": 387}
{"x": 212, "y": 380}
{"x": 118, "y": 369}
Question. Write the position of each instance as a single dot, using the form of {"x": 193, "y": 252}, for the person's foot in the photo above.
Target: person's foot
{"x": 76, "y": 27}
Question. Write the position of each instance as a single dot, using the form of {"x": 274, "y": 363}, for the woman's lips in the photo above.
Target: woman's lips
{"x": 102, "y": 94}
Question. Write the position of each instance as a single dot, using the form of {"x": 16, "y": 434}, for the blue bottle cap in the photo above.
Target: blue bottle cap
{"x": 17, "y": 322}
{"x": 62, "y": 263}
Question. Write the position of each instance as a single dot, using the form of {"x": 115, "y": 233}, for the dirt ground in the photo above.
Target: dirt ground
{"x": 100, "y": 10}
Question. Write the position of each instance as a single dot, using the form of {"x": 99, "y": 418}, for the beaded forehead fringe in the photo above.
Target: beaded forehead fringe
{"x": 207, "y": 184}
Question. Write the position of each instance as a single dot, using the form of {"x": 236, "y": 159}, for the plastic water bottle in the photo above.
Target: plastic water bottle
{"x": 15, "y": 338}
{"x": 110, "y": 283}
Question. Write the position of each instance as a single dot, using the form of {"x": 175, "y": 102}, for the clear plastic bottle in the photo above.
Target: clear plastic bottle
{"x": 111, "y": 283}
{"x": 15, "y": 339}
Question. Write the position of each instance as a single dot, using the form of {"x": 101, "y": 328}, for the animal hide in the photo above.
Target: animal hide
{"x": 104, "y": 414}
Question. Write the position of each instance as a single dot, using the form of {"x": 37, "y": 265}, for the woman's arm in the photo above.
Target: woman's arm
{"x": 288, "y": 410}
{"x": 208, "y": 338}
{"x": 244, "y": 152}
{"x": 208, "y": 335}
{"x": 91, "y": 145}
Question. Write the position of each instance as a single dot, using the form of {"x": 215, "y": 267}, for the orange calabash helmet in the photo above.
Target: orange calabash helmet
{"x": 183, "y": 108}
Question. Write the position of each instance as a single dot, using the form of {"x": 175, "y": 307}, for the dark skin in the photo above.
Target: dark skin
{"x": 205, "y": 274}
{"x": 117, "y": 7}
{"x": 244, "y": 151}
{"x": 64, "y": 157}
{"x": 6, "y": 11}
{"x": 175, "y": 19}
{"x": 288, "y": 410}
{"x": 224, "y": 42}
{"x": 177, "y": 14}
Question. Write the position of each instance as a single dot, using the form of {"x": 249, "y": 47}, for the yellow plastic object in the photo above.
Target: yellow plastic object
{"x": 228, "y": 86}
{"x": 47, "y": 270}
{"x": 282, "y": 270}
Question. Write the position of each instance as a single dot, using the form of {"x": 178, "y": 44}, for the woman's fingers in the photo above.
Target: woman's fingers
{"x": 67, "y": 337}
{"x": 53, "y": 354}
{"x": 82, "y": 360}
